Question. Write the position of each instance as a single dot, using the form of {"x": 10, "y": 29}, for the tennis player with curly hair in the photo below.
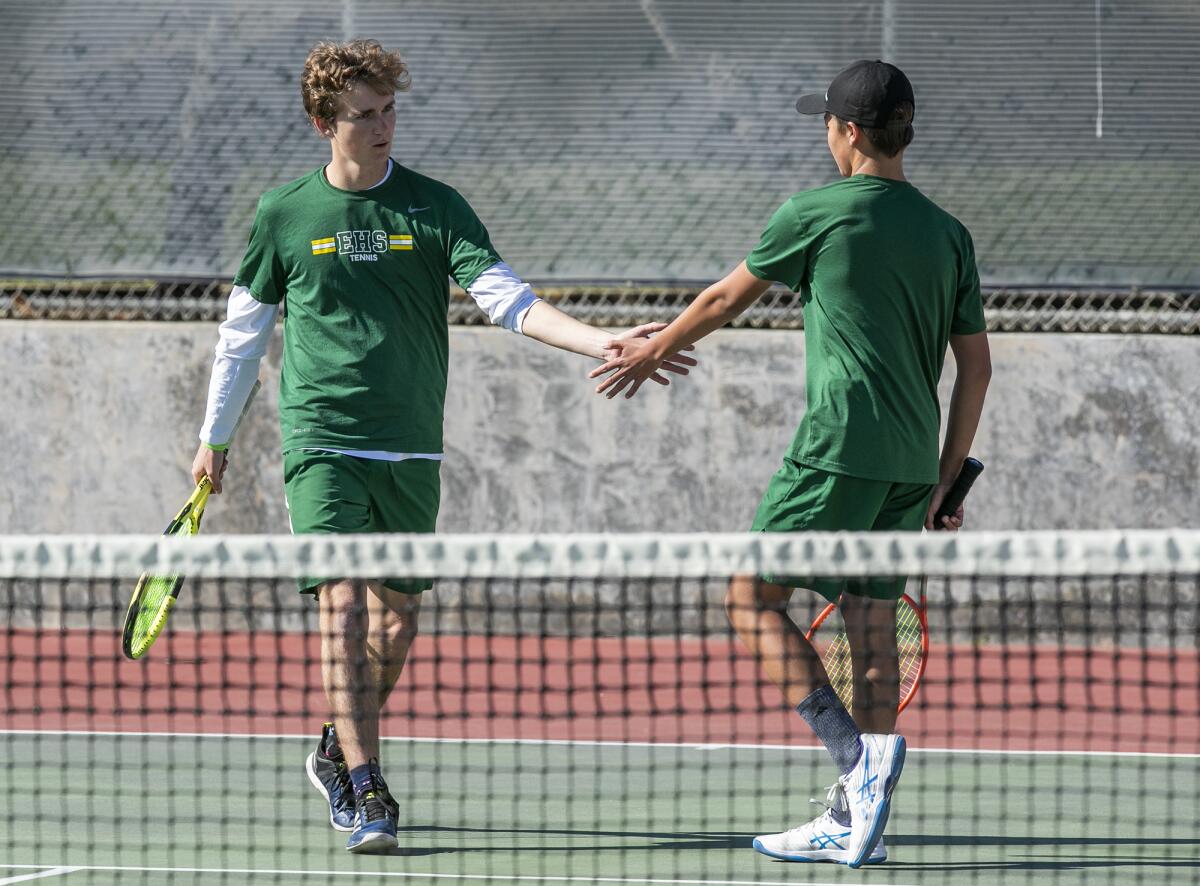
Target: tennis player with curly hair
{"x": 361, "y": 251}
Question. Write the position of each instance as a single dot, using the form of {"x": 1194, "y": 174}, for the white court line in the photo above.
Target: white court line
{"x": 23, "y": 878}
{"x": 487, "y": 878}
{"x": 695, "y": 746}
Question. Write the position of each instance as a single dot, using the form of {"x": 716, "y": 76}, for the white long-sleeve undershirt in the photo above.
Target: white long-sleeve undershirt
{"x": 246, "y": 331}
{"x": 241, "y": 344}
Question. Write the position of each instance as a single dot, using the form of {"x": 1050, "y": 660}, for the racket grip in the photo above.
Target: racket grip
{"x": 971, "y": 469}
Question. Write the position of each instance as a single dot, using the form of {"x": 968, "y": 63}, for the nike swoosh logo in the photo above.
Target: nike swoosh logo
{"x": 417, "y": 208}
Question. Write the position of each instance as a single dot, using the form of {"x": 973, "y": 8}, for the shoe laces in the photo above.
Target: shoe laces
{"x": 343, "y": 780}
{"x": 835, "y": 798}
{"x": 371, "y": 807}
{"x": 343, "y": 771}
{"x": 803, "y": 832}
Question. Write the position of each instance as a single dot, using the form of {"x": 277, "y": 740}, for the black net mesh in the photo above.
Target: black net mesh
{"x": 603, "y": 727}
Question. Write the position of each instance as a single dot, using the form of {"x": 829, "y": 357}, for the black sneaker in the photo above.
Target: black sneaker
{"x": 374, "y": 819}
{"x": 326, "y": 768}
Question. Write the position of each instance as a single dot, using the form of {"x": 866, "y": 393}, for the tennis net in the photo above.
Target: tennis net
{"x": 577, "y": 709}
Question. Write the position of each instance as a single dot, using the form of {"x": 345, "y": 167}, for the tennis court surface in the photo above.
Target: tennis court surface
{"x": 577, "y": 710}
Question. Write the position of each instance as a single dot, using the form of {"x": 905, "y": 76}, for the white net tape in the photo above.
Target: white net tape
{"x": 1067, "y": 553}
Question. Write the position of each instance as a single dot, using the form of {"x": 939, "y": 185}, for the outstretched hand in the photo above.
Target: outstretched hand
{"x": 633, "y": 358}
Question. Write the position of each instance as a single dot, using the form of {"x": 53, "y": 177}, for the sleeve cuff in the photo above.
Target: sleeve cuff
{"x": 515, "y": 322}
{"x": 758, "y": 272}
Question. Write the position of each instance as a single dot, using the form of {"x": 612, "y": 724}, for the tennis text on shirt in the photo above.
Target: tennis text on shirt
{"x": 361, "y": 245}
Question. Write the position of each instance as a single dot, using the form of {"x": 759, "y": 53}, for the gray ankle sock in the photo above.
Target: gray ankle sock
{"x": 832, "y": 724}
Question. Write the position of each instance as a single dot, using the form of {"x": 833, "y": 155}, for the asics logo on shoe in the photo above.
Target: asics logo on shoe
{"x": 821, "y": 841}
{"x": 867, "y": 783}
{"x": 868, "y": 786}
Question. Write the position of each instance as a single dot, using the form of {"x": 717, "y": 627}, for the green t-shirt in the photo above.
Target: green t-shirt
{"x": 365, "y": 275}
{"x": 886, "y": 278}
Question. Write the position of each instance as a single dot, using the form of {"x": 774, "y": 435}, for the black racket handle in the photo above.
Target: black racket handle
{"x": 971, "y": 469}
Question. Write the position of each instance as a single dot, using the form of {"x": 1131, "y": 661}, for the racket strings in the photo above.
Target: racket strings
{"x": 840, "y": 667}
{"x": 153, "y": 601}
{"x": 155, "y": 594}
{"x": 909, "y": 645}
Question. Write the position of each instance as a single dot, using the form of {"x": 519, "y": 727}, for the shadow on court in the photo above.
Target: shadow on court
{"x": 985, "y": 840}
{"x": 417, "y": 852}
{"x": 658, "y": 840}
{"x": 905, "y": 844}
{"x": 1060, "y": 862}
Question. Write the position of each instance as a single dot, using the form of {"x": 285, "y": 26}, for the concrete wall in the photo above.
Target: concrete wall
{"x": 98, "y": 424}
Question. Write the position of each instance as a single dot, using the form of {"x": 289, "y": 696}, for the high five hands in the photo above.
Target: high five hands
{"x": 640, "y": 354}
{"x": 633, "y": 358}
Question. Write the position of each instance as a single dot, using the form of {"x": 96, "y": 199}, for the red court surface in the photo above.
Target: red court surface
{"x": 608, "y": 689}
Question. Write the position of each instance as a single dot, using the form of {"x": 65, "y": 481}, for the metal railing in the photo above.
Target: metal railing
{"x": 1008, "y": 309}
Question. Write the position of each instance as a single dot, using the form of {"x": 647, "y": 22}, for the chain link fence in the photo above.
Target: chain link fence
{"x": 643, "y": 140}
{"x": 1009, "y": 309}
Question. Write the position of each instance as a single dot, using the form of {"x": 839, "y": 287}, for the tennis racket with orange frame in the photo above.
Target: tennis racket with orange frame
{"x": 912, "y": 627}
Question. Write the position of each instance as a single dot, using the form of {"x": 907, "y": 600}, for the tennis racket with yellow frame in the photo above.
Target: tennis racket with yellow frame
{"x": 155, "y": 595}
{"x": 912, "y": 626}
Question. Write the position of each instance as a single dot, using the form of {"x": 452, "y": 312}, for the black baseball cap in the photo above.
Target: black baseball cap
{"x": 865, "y": 93}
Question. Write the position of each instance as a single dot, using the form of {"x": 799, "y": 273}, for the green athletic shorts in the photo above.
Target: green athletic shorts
{"x": 800, "y": 498}
{"x": 328, "y": 492}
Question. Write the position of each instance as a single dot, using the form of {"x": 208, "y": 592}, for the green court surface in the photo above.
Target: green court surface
{"x": 101, "y": 808}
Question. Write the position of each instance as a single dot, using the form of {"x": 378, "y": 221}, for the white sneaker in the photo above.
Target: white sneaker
{"x": 868, "y": 788}
{"x": 822, "y": 839}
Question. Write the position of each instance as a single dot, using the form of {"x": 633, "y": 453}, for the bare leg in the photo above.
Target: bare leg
{"x": 758, "y": 612}
{"x": 393, "y": 627}
{"x": 871, "y": 630}
{"x": 350, "y": 687}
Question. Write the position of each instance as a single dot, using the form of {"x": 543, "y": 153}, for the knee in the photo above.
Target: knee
{"x": 878, "y": 677}
{"x": 400, "y": 631}
{"x": 740, "y": 601}
{"x": 748, "y": 598}
{"x": 396, "y": 628}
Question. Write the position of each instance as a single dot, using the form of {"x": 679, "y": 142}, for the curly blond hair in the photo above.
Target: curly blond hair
{"x": 332, "y": 68}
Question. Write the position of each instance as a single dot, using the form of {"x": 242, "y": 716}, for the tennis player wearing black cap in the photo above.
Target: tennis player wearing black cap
{"x": 888, "y": 281}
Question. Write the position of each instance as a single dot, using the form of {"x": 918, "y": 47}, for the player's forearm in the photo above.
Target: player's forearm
{"x": 966, "y": 408}
{"x": 549, "y": 325}
{"x": 707, "y": 313}
{"x": 710, "y": 310}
